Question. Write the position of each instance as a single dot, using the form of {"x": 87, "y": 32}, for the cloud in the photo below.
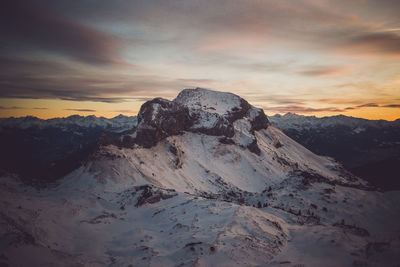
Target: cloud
{"x": 236, "y": 45}
{"x": 129, "y": 111}
{"x": 29, "y": 27}
{"x": 324, "y": 71}
{"x": 196, "y": 81}
{"x": 302, "y": 109}
{"x": 374, "y": 105}
{"x": 264, "y": 67}
{"x": 373, "y": 44}
{"x": 277, "y": 99}
{"x": 38, "y": 108}
{"x": 368, "y": 105}
{"x": 13, "y": 107}
{"x": 45, "y": 79}
{"x": 81, "y": 109}
{"x": 305, "y": 109}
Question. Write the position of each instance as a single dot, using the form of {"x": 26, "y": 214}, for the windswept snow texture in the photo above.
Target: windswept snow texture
{"x": 193, "y": 198}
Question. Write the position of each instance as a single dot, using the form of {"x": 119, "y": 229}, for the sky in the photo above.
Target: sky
{"x": 311, "y": 57}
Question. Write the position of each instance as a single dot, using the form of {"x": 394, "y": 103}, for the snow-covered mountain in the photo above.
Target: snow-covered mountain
{"x": 363, "y": 146}
{"x": 301, "y": 122}
{"x": 119, "y": 123}
{"x": 49, "y": 149}
{"x": 203, "y": 180}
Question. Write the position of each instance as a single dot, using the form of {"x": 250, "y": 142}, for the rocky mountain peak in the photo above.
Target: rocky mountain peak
{"x": 198, "y": 111}
{"x": 222, "y": 103}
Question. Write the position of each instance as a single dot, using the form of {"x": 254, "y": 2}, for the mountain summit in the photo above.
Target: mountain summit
{"x": 199, "y": 111}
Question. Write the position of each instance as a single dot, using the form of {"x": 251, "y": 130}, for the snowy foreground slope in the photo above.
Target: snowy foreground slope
{"x": 203, "y": 180}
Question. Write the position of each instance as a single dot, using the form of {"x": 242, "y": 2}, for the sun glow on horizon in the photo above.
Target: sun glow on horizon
{"x": 319, "y": 58}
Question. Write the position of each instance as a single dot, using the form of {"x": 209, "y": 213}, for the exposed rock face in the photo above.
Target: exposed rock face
{"x": 160, "y": 118}
{"x": 195, "y": 110}
{"x": 151, "y": 194}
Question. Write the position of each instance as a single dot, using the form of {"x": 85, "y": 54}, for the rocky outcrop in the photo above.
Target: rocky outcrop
{"x": 194, "y": 110}
{"x": 160, "y": 118}
{"x": 260, "y": 121}
{"x": 150, "y": 194}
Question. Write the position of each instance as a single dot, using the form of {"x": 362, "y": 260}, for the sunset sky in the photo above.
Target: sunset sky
{"x": 312, "y": 57}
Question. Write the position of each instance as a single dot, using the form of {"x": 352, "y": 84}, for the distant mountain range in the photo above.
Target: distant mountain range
{"x": 369, "y": 148}
{"x": 51, "y": 148}
{"x": 119, "y": 123}
{"x": 45, "y": 150}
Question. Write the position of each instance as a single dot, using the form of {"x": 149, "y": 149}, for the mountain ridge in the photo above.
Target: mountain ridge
{"x": 362, "y": 146}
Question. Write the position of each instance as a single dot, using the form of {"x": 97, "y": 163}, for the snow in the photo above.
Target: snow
{"x": 156, "y": 108}
{"x": 181, "y": 229}
{"x": 243, "y": 136}
{"x": 194, "y": 200}
{"x": 358, "y": 130}
{"x": 208, "y": 100}
{"x": 206, "y": 120}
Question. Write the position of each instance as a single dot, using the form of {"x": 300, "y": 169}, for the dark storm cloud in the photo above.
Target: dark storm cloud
{"x": 26, "y": 27}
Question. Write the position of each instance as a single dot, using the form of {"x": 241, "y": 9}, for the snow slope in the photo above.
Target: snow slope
{"x": 240, "y": 193}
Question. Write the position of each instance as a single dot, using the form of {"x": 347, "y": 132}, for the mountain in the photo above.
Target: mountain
{"x": 359, "y": 144}
{"x": 203, "y": 180}
{"x": 119, "y": 123}
{"x": 49, "y": 149}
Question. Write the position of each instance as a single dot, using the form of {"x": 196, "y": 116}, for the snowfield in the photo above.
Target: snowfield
{"x": 241, "y": 193}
